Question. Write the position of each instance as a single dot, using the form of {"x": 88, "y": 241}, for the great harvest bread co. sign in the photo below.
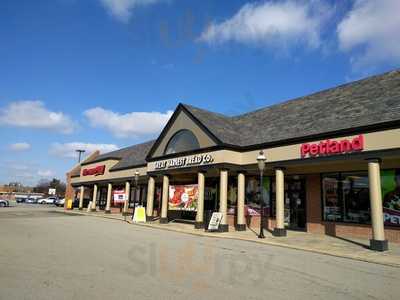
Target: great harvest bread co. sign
{"x": 188, "y": 161}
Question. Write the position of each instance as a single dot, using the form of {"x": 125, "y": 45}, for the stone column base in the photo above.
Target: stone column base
{"x": 163, "y": 220}
{"x": 92, "y": 209}
{"x": 223, "y": 228}
{"x": 377, "y": 245}
{"x": 240, "y": 227}
{"x": 150, "y": 218}
{"x": 107, "y": 211}
{"x": 80, "y": 208}
{"x": 279, "y": 232}
{"x": 198, "y": 225}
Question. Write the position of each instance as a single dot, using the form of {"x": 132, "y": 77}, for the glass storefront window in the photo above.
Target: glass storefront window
{"x": 182, "y": 141}
{"x": 346, "y": 197}
{"x": 332, "y": 202}
{"x": 356, "y": 198}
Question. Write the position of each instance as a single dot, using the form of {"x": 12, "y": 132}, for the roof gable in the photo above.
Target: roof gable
{"x": 182, "y": 118}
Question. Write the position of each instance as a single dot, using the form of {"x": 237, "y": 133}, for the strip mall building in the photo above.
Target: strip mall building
{"x": 332, "y": 166}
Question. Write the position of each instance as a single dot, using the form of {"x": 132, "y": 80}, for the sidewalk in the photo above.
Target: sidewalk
{"x": 335, "y": 246}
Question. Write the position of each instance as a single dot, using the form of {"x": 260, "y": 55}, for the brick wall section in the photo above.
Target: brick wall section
{"x": 69, "y": 190}
{"x": 313, "y": 204}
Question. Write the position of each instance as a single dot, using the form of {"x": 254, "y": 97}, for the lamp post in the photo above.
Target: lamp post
{"x": 80, "y": 151}
{"x": 261, "y": 165}
{"x": 134, "y": 199}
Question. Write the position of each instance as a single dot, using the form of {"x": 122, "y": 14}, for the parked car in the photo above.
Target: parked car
{"x": 20, "y": 200}
{"x": 4, "y": 203}
{"x": 31, "y": 201}
{"x": 59, "y": 202}
{"x": 49, "y": 200}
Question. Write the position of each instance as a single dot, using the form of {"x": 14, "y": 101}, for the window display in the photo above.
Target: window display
{"x": 346, "y": 197}
{"x": 390, "y": 180}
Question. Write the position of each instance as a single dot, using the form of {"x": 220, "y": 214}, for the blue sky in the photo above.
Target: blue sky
{"x": 108, "y": 73}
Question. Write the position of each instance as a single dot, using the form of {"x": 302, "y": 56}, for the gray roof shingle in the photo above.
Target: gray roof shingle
{"x": 136, "y": 156}
{"x": 128, "y": 157}
{"x": 365, "y": 102}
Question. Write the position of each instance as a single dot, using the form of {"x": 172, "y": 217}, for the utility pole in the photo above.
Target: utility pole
{"x": 80, "y": 151}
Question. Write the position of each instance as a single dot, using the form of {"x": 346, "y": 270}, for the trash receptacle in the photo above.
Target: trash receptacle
{"x": 69, "y": 204}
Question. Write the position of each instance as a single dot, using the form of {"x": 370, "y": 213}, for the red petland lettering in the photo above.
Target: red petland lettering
{"x": 333, "y": 147}
{"x": 99, "y": 170}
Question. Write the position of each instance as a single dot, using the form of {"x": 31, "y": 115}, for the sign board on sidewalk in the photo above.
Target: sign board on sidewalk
{"x": 215, "y": 221}
{"x": 140, "y": 215}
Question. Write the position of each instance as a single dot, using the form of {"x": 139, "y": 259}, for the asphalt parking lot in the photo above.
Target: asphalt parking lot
{"x": 46, "y": 254}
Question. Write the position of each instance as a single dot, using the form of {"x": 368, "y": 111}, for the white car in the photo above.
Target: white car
{"x": 59, "y": 202}
{"x": 49, "y": 200}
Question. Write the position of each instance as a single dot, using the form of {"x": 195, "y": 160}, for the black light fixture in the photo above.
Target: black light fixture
{"x": 261, "y": 166}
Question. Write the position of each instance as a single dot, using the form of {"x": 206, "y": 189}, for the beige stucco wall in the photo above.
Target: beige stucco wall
{"x": 388, "y": 139}
{"x": 381, "y": 140}
{"x": 107, "y": 174}
{"x": 183, "y": 121}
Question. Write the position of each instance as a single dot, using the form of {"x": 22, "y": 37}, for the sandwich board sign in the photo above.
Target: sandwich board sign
{"x": 140, "y": 215}
{"x": 215, "y": 221}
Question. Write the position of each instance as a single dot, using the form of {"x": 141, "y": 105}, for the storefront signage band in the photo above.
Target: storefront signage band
{"x": 329, "y": 147}
{"x": 181, "y": 162}
{"x": 98, "y": 170}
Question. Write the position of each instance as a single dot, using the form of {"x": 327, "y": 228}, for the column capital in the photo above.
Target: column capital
{"x": 280, "y": 168}
{"x": 242, "y": 172}
{"x": 374, "y": 159}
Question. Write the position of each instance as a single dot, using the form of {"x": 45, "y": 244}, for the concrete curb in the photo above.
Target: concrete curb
{"x": 265, "y": 242}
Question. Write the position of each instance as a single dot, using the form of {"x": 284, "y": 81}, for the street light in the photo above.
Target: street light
{"x": 134, "y": 199}
{"x": 80, "y": 151}
{"x": 261, "y": 165}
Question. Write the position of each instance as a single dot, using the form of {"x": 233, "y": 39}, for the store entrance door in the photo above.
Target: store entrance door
{"x": 295, "y": 203}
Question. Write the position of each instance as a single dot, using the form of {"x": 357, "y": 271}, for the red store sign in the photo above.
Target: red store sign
{"x": 98, "y": 170}
{"x": 329, "y": 147}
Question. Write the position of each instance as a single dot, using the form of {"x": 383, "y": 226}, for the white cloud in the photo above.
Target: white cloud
{"x": 34, "y": 114}
{"x": 122, "y": 9}
{"x": 134, "y": 124}
{"x": 272, "y": 24}
{"x": 372, "y": 27}
{"x": 19, "y": 147}
{"x": 68, "y": 150}
{"x": 45, "y": 173}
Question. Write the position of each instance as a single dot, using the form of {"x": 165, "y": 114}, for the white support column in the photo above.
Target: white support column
{"x": 127, "y": 196}
{"x": 223, "y": 200}
{"x": 150, "y": 198}
{"x": 200, "y": 201}
{"x": 94, "y": 198}
{"x": 378, "y": 242}
{"x": 108, "y": 203}
{"x": 165, "y": 196}
{"x": 279, "y": 229}
{"x": 241, "y": 221}
{"x": 82, "y": 192}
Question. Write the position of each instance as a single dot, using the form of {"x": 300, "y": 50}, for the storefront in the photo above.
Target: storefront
{"x": 332, "y": 166}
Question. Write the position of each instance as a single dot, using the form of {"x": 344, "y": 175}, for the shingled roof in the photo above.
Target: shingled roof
{"x": 366, "y": 102}
{"x": 136, "y": 156}
{"x": 128, "y": 157}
